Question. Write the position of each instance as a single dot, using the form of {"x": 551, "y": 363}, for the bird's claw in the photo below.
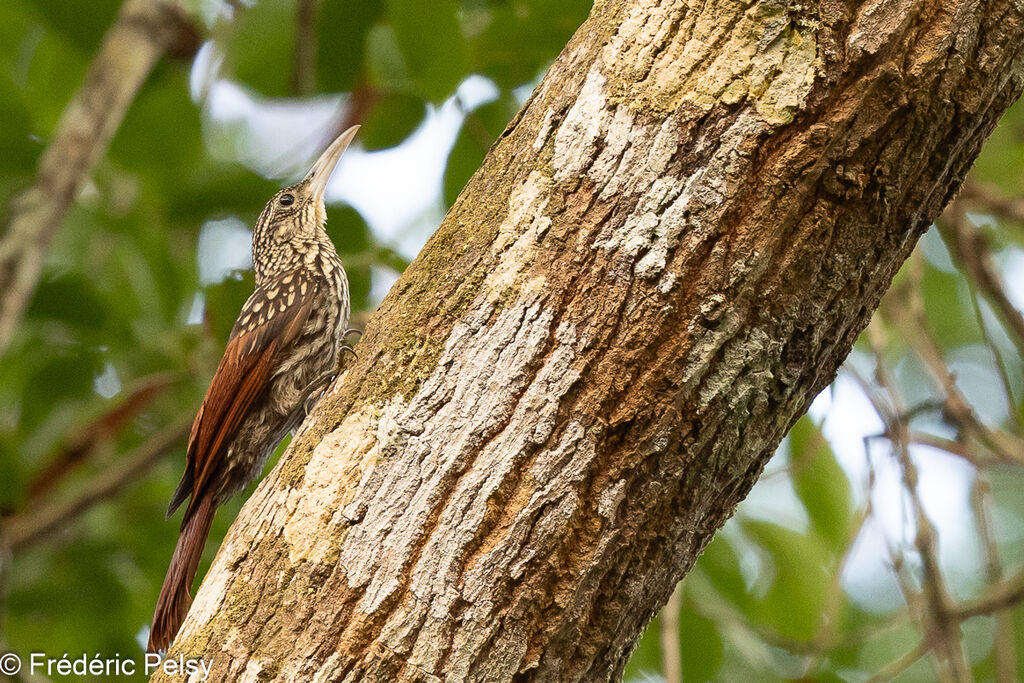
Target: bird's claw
{"x": 320, "y": 384}
{"x": 310, "y": 402}
{"x": 316, "y": 388}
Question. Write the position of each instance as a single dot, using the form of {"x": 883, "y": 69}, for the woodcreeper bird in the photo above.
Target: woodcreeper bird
{"x": 285, "y": 346}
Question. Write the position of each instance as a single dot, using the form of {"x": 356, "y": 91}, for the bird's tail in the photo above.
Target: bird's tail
{"x": 174, "y": 600}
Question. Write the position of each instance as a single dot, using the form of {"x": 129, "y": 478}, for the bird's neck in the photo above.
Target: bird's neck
{"x": 314, "y": 253}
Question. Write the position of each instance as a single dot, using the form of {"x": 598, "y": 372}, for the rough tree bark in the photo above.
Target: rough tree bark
{"x": 661, "y": 262}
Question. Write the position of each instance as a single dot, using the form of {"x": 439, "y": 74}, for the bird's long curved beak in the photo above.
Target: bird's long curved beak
{"x": 324, "y": 166}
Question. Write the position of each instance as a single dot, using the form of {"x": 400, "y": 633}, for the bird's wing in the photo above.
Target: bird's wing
{"x": 270, "y": 320}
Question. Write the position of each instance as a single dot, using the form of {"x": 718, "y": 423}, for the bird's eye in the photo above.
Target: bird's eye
{"x": 287, "y": 199}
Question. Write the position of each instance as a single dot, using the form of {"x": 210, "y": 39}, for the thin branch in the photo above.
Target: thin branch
{"x": 1003, "y": 649}
{"x": 80, "y": 444}
{"x": 911, "y": 325}
{"x": 474, "y": 126}
{"x": 989, "y": 199}
{"x": 971, "y": 250}
{"x": 31, "y": 526}
{"x": 303, "y": 77}
{"x": 1003, "y": 595}
{"x": 950, "y": 446}
{"x": 671, "y": 656}
{"x": 144, "y": 30}
{"x": 901, "y": 664}
{"x": 944, "y": 633}
{"x": 997, "y": 358}
{"x": 941, "y": 633}
{"x": 357, "y": 107}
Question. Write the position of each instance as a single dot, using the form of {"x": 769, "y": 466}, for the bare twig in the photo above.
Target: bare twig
{"x": 474, "y": 126}
{"x": 1005, "y": 594}
{"x": 303, "y": 78}
{"x": 950, "y": 446}
{"x": 997, "y": 358}
{"x": 85, "y": 440}
{"x": 144, "y": 30}
{"x": 942, "y": 634}
{"x": 901, "y": 664}
{"x": 991, "y": 200}
{"x": 1003, "y": 647}
{"x": 671, "y": 656}
{"x": 1005, "y": 446}
{"x": 378, "y": 255}
{"x": 357, "y": 107}
{"x": 971, "y": 250}
{"x": 31, "y": 526}
{"x": 940, "y": 616}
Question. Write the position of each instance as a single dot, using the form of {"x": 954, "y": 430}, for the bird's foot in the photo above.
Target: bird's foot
{"x": 347, "y": 347}
{"x": 318, "y": 386}
{"x": 315, "y": 390}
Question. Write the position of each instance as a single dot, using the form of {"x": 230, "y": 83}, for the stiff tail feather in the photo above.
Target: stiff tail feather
{"x": 174, "y": 600}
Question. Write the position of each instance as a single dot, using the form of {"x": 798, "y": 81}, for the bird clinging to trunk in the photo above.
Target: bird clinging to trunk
{"x": 286, "y": 344}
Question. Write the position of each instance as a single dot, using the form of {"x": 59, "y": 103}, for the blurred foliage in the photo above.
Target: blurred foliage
{"x": 121, "y": 303}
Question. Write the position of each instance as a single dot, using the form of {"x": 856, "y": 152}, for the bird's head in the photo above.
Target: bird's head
{"x": 297, "y": 212}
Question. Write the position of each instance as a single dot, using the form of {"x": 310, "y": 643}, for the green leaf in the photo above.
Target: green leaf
{"x": 351, "y": 235}
{"x": 1006, "y": 485}
{"x": 721, "y": 564}
{"x": 947, "y": 309}
{"x": 393, "y": 118}
{"x": 796, "y": 598}
{"x": 82, "y": 22}
{"x": 700, "y": 645}
{"x": 893, "y": 643}
{"x": 54, "y": 72}
{"x": 1002, "y": 156}
{"x": 348, "y": 230}
{"x": 67, "y": 374}
{"x": 524, "y": 37}
{"x": 20, "y": 150}
{"x": 430, "y": 39}
{"x": 646, "y": 658}
{"x": 1018, "y": 630}
{"x": 161, "y": 136}
{"x": 223, "y": 302}
{"x": 72, "y": 299}
{"x": 385, "y": 63}
{"x": 259, "y": 45}
{"x": 479, "y": 130}
{"x": 821, "y": 485}
{"x": 342, "y": 30}
{"x": 215, "y": 190}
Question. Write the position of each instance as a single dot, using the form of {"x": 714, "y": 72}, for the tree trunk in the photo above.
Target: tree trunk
{"x": 662, "y": 261}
